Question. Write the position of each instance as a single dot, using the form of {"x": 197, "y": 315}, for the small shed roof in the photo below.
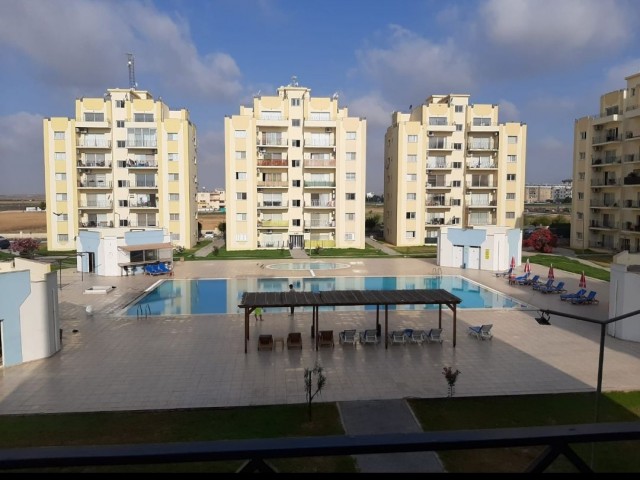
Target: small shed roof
{"x": 348, "y": 297}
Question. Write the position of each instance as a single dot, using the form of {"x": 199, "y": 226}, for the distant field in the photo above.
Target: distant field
{"x": 16, "y": 221}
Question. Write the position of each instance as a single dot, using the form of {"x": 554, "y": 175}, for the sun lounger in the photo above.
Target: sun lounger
{"x": 540, "y": 286}
{"x": 265, "y": 342}
{"x": 435, "y": 335}
{"x": 294, "y": 340}
{"x": 568, "y": 296}
{"x": 418, "y": 336}
{"x": 559, "y": 288}
{"x": 369, "y": 337}
{"x": 586, "y": 300}
{"x": 481, "y": 332}
{"x": 325, "y": 338}
{"x": 398, "y": 337}
{"x": 348, "y": 336}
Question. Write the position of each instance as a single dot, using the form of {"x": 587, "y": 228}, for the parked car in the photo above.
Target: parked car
{"x": 4, "y": 243}
{"x": 209, "y": 234}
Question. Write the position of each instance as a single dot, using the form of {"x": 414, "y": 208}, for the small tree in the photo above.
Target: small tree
{"x": 309, "y": 374}
{"x": 223, "y": 229}
{"x": 542, "y": 240}
{"x": 372, "y": 221}
{"x": 25, "y": 247}
{"x": 451, "y": 375}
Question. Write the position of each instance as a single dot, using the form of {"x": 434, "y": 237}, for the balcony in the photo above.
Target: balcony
{"x": 482, "y": 204}
{"x": 267, "y": 141}
{"x": 272, "y": 119}
{"x": 309, "y": 143}
{"x": 603, "y": 204}
{"x": 91, "y": 142}
{"x": 273, "y": 204}
{"x": 481, "y": 146}
{"x": 280, "y": 162}
{"x": 631, "y": 204}
{"x": 481, "y": 127}
{"x": 319, "y": 184}
{"x": 138, "y": 185}
{"x": 96, "y": 224}
{"x": 320, "y": 204}
{"x": 151, "y": 143}
{"x": 320, "y": 223}
{"x": 608, "y": 225}
{"x": 438, "y": 185}
{"x": 330, "y": 163}
{"x": 439, "y": 143}
{"x": 480, "y": 185}
{"x": 141, "y": 165}
{"x": 438, "y": 201}
{"x": 631, "y": 227}
{"x": 439, "y": 165}
{"x": 605, "y": 182}
{"x": 96, "y": 204}
{"x": 273, "y": 223}
{"x": 143, "y": 205}
{"x": 96, "y": 184}
{"x": 608, "y": 138}
{"x": 94, "y": 164}
{"x": 632, "y": 179}
{"x": 272, "y": 184}
{"x": 482, "y": 165}
{"x": 434, "y": 221}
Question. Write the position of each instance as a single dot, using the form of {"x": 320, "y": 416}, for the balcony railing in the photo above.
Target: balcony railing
{"x": 273, "y": 223}
{"x": 95, "y": 184}
{"x": 481, "y": 165}
{"x": 485, "y": 184}
{"x": 319, "y": 143}
{"x": 273, "y": 183}
{"x": 95, "y": 204}
{"x": 273, "y": 204}
{"x": 320, "y": 163}
{"x": 431, "y": 184}
{"x": 319, "y": 183}
{"x": 142, "y": 144}
{"x": 95, "y": 224}
{"x": 601, "y": 182}
{"x": 93, "y": 143}
{"x": 280, "y": 162}
{"x": 320, "y": 203}
{"x": 606, "y": 138}
{"x": 603, "y": 203}
{"x": 437, "y": 165}
{"x": 143, "y": 205}
{"x": 94, "y": 164}
{"x": 320, "y": 223}
{"x": 602, "y": 224}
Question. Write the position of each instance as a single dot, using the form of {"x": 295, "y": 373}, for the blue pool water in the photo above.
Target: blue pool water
{"x": 216, "y": 296}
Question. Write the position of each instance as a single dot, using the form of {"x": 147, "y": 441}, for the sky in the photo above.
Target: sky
{"x": 544, "y": 62}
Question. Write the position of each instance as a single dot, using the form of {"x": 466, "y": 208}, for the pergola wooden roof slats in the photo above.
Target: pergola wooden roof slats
{"x": 341, "y": 298}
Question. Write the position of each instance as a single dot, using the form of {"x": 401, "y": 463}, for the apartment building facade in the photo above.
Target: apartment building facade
{"x": 211, "y": 201}
{"x": 551, "y": 193}
{"x": 448, "y": 162}
{"x": 606, "y": 173}
{"x": 126, "y": 161}
{"x": 295, "y": 173}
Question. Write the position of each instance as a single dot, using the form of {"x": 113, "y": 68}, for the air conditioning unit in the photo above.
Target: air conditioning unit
{"x": 83, "y": 130}
{"x": 430, "y": 134}
{"x": 328, "y": 130}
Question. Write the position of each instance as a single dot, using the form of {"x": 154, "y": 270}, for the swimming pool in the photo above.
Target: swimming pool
{"x": 307, "y": 266}
{"x": 219, "y": 296}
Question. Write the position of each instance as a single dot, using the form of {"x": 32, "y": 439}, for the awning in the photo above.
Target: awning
{"x": 146, "y": 246}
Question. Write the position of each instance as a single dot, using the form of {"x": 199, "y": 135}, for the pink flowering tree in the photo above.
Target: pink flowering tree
{"x": 25, "y": 247}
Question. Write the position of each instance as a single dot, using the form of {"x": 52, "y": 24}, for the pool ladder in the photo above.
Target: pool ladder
{"x": 143, "y": 311}
{"x": 437, "y": 271}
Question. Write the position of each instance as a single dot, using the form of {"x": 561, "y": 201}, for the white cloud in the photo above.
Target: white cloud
{"x": 412, "y": 65}
{"x": 508, "y": 111}
{"x": 374, "y": 108}
{"x": 22, "y": 153}
{"x": 551, "y": 32}
{"x": 211, "y": 168}
{"x": 92, "y": 39}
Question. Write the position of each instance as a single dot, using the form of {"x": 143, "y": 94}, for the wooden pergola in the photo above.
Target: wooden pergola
{"x": 341, "y": 298}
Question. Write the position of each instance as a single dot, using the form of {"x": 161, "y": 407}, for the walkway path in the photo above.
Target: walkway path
{"x": 381, "y": 246}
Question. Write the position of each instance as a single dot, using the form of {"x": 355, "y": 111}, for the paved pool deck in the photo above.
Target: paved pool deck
{"x": 113, "y": 362}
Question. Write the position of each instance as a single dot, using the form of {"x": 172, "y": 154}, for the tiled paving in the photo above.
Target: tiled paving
{"x": 109, "y": 362}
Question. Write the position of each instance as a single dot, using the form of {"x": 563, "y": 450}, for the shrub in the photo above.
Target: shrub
{"x": 541, "y": 240}
{"x": 25, "y": 247}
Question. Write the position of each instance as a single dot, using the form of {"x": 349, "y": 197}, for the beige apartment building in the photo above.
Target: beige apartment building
{"x": 295, "y": 173}
{"x": 211, "y": 201}
{"x": 448, "y": 162}
{"x": 606, "y": 173}
{"x": 126, "y": 161}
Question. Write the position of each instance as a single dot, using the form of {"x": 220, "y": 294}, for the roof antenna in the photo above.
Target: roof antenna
{"x": 132, "y": 72}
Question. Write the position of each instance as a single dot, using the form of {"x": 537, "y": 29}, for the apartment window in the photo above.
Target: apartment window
{"x": 459, "y": 109}
{"x": 350, "y": 217}
{"x": 172, "y": 136}
{"x": 581, "y": 175}
{"x": 241, "y": 175}
{"x": 457, "y": 164}
{"x": 410, "y": 234}
{"x": 240, "y": 133}
{"x": 295, "y": 183}
{"x": 412, "y": 158}
{"x": 175, "y": 237}
{"x": 411, "y": 196}
{"x": 123, "y": 203}
{"x": 581, "y": 155}
{"x": 174, "y": 197}
{"x": 511, "y": 215}
{"x": 63, "y": 217}
{"x": 120, "y": 123}
{"x": 349, "y": 236}
{"x": 174, "y": 217}
{"x": 143, "y": 117}
{"x": 241, "y": 155}
{"x": 173, "y": 157}
{"x": 412, "y": 177}
{"x": 60, "y": 156}
{"x": 458, "y": 128}
{"x": 295, "y": 163}
{"x": 123, "y": 183}
{"x": 295, "y": 203}
{"x": 350, "y": 196}
{"x": 241, "y": 237}
{"x": 295, "y": 143}
{"x": 58, "y": 135}
{"x": 455, "y": 220}
{"x": 481, "y": 121}
{"x": 511, "y": 176}
{"x": 457, "y": 146}
{"x": 93, "y": 117}
{"x": 410, "y": 215}
{"x": 241, "y": 195}
{"x": 351, "y": 135}
{"x": 61, "y": 197}
{"x": 174, "y": 177}
{"x": 512, "y": 139}
{"x": 120, "y": 143}
{"x": 295, "y": 102}
{"x": 456, "y": 183}
{"x": 295, "y": 222}
{"x": 350, "y": 155}
{"x": 295, "y": 122}
{"x": 511, "y": 196}
{"x": 119, "y": 103}
{"x": 512, "y": 158}
{"x": 579, "y": 215}
{"x": 61, "y": 176}
{"x": 63, "y": 237}
{"x": 583, "y": 135}
{"x": 241, "y": 217}
{"x": 580, "y": 196}
{"x": 456, "y": 202}
{"x": 351, "y": 176}
{"x": 412, "y": 138}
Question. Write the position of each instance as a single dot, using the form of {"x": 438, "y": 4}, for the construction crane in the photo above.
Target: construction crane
{"x": 132, "y": 71}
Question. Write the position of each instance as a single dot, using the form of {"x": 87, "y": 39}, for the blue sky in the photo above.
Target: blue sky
{"x": 545, "y": 62}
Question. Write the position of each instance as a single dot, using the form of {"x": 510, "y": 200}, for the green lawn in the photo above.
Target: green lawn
{"x": 292, "y": 421}
{"x": 368, "y": 251}
{"x": 570, "y": 265}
